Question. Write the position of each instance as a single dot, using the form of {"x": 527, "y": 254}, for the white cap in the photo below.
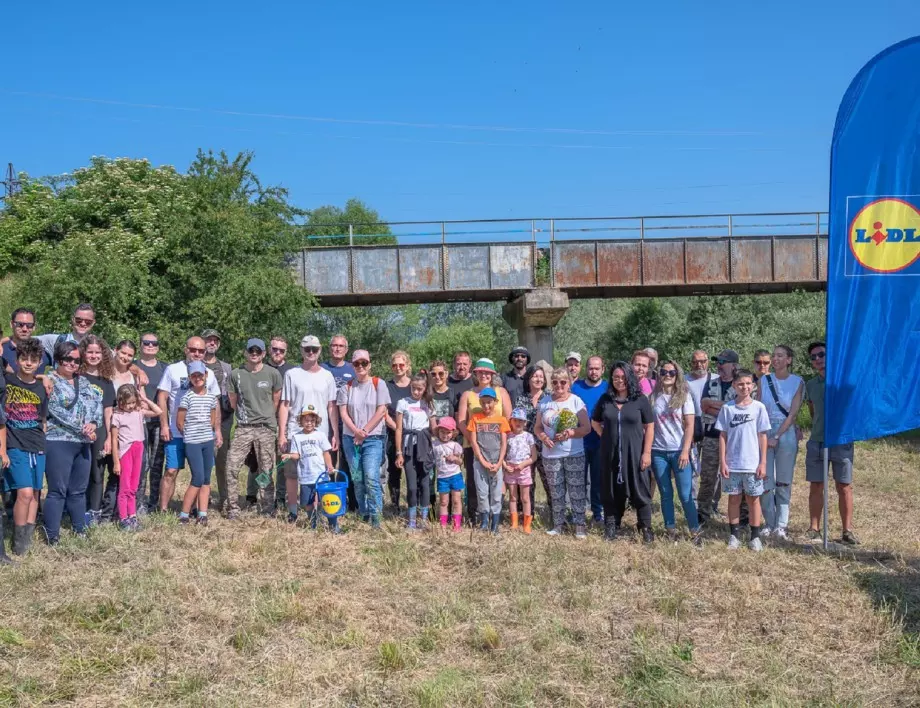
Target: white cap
{"x": 573, "y": 355}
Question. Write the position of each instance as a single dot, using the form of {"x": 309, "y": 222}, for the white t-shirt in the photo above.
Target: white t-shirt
{"x": 415, "y": 413}
{"x": 441, "y": 451}
{"x": 669, "y": 423}
{"x": 742, "y": 426}
{"x": 175, "y": 382}
{"x": 697, "y": 387}
{"x": 310, "y": 447}
{"x": 549, "y": 413}
{"x": 785, "y": 389}
{"x": 303, "y": 388}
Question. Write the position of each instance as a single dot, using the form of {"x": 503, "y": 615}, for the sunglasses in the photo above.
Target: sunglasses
{"x": 360, "y": 364}
{"x": 723, "y": 361}
{"x": 254, "y": 350}
{"x": 439, "y": 374}
{"x": 24, "y": 325}
{"x": 763, "y": 362}
{"x": 73, "y": 361}
{"x": 195, "y": 350}
{"x": 150, "y": 343}
{"x": 560, "y": 384}
{"x": 278, "y": 350}
{"x": 817, "y": 355}
{"x": 311, "y": 350}
{"x": 520, "y": 356}
{"x": 83, "y": 322}
{"x": 667, "y": 373}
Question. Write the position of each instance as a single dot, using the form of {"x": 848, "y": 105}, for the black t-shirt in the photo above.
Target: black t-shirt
{"x": 26, "y": 407}
{"x": 283, "y": 369}
{"x": 444, "y": 403}
{"x": 397, "y": 393}
{"x": 108, "y": 400}
{"x": 154, "y": 374}
{"x": 458, "y": 388}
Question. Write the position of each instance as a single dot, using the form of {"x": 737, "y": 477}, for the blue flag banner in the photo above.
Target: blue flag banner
{"x": 873, "y": 274}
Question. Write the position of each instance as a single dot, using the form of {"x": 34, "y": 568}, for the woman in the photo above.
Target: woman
{"x": 483, "y": 374}
{"x": 535, "y": 385}
{"x": 122, "y": 361}
{"x": 398, "y": 387}
{"x": 74, "y": 417}
{"x": 672, "y": 405}
{"x": 442, "y": 398}
{"x": 561, "y": 424}
{"x": 624, "y": 421}
{"x": 97, "y": 369}
{"x": 363, "y": 405}
{"x": 781, "y": 392}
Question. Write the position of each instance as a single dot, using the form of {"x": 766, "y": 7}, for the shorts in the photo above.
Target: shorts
{"x": 742, "y": 481}
{"x": 175, "y": 453}
{"x": 26, "y": 470}
{"x": 840, "y": 459}
{"x": 454, "y": 483}
{"x": 524, "y": 478}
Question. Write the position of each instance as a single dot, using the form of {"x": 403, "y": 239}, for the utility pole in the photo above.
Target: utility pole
{"x": 11, "y": 183}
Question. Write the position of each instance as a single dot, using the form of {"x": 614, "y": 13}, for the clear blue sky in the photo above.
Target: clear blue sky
{"x": 482, "y": 109}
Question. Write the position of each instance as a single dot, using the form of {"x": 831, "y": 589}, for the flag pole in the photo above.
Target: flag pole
{"x": 825, "y": 498}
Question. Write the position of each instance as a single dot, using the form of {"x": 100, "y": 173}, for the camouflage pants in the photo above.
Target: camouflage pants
{"x": 707, "y": 499}
{"x": 247, "y": 437}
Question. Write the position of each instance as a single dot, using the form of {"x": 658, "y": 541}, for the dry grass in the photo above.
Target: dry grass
{"x": 258, "y": 612}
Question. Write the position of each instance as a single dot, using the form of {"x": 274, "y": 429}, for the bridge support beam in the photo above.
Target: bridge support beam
{"x": 533, "y": 315}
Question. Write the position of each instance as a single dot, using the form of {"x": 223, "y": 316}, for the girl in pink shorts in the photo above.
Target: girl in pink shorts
{"x": 519, "y": 459}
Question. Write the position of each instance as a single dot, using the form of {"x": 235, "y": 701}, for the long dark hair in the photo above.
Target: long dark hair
{"x": 62, "y": 350}
{"x": 633, "y": 392}
{"x": 528, "y": 375}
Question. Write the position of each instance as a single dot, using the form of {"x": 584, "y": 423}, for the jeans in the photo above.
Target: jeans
{"x": 366, "y": 473}
{"x": 153, "y": 466}
{"x": 778, "y": 484}
{"x": 664, "y": 463}
{"x": 593, "y": 479}
{"x": 67, "y": 472}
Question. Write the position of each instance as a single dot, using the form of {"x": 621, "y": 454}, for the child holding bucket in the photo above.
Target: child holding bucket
{"x": 448, "y": 456}
{"x": 310, "y": 449}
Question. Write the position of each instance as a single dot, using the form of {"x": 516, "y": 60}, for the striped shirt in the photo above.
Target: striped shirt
{"x": 198, "y": 407}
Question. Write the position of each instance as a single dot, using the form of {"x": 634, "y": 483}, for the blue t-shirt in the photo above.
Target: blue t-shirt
{"x": 590, "y": 395}
{"x": 9, "y": 356}
{"x": 342, "y": 374}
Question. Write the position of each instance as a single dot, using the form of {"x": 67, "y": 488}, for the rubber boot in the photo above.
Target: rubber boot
{"x": 4, "y": 558}
{"x": 610, "y": 529}
{"x": 496, "y": 519}
{"x": 19, "y": 540}
{"x": 514, "y": 519}
{"x": 483, "y": 522}
{"x": 29, "y": 534}
{"x": 528, "y": 522}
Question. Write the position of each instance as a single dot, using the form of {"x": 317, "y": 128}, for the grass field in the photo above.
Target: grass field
{"x": 257, "y": 612}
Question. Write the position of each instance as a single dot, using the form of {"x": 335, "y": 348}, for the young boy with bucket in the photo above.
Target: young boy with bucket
{"x": 310, "y": 448}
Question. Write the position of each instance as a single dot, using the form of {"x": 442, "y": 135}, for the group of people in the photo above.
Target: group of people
{"x": 110, "y": 429}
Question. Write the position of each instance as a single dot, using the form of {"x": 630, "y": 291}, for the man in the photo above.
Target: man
{"x": 308, "y": 384}
{"x": 652, "y": 364}
{"x": 640, "y": 364}
{"x": 255, "y": 392}
{"x": 590, "y": 389}
{"x": 173, "y": 386}
{"x": 81, "y": 324}
{"x": 277, "y": 359}
{"x": 573, "y": 365}
{"x": 696, "y": 381}
{"x": 277, "y": 355}
{"x": 716, "y": 392}
{"x": 519, "y": 358}
{"x": 153, "y": 448}
{"x": 343, "y": 372}
{"x": 461, "y": 378}
{"x": 22, "y": 324}
{"x": 221, "y": 371}
{"x": 840, "y": 457}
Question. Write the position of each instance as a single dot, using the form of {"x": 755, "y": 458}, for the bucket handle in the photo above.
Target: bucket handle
{"x": 324, "y": 477}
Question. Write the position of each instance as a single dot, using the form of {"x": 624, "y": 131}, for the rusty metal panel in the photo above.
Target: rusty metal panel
{"x": 663, "y": 262}
{"x": 325, "y": 270}
{"x": 822, "y": 258}
{"x": 794, "y": 260}
{"x": 512, "y": 266}
{"x": 751, "y": 260}
{"x": 618, "y": 263}
{"x": 419, "y": 268}
{"x": 707, "y": 261}
{"x": 376, "y": 270}
{"x": 574, "y": 265}
{"x": 467, "y": 267}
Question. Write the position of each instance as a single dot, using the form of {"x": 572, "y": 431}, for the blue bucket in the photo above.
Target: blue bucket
{"x": 332, "y": 500}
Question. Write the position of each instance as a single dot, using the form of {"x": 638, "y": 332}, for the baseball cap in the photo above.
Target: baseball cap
{"x": 573, "y": 355}
{"x": 210, "y": 333}
{"x": 488, "y": 392}
{"x": 727, "y": 355}
{"x": 310, "y": 409}
{"x": 447, "y": 423}
{"x": 485, "y": 365}
{"x": 518, "y": 414}
{"x": 197, "y": 367}
{"x": 310, "y": 341}
{"x": 361, "y": 355}
{"x": 518, "y": 350}
{"x": 255, "y": 342}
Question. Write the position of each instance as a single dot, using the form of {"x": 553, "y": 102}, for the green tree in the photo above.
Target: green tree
{"x": 328, "y": 226}
{"x": 442, "y": 342}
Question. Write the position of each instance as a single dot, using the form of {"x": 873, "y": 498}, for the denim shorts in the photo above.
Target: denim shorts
{"x": 454, "y": 483}
{"x": 745, "y": 482}
{"x": 175, "y": 453}
{"x": 26, "y": 470}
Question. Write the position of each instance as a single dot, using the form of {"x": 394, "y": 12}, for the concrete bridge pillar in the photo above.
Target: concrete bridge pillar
{"x": 533, "y": 315}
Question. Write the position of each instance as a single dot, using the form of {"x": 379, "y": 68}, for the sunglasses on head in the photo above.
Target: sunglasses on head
{"x": 361, "y": 364}
{"x": 278, "y": 350}
{"x": 311, "y": 350}
{"x": 817, "y": 355}
{"x": 24, "y": 325}
{"x": 195, "y": 350}
{"x": 150, "y": 343}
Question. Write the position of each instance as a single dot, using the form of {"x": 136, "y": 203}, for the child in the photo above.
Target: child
{"x": 489, "y": 440}
{"x": 128, "y": 434}
{"x": 744, "y": 425}
{"x": 448, "y": 456}
{"x": 310, "y": 449}
{"x": 522, "y": 454}
{"x": 25, "y": 408}
{"x": 414, "y": 414}
{"x": 198, "y": 421}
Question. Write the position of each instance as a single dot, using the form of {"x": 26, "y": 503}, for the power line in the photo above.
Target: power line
{"x": 12, "y": 184}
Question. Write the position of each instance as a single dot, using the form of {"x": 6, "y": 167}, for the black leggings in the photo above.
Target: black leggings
{"x": 101, "y": 493}
{"x": 614, "y": 495}
{"x": 418, "y": 484}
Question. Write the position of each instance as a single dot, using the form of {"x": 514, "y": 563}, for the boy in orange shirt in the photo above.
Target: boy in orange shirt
{"x": 489, "y": 440}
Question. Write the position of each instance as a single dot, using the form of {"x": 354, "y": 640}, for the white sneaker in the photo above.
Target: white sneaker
{"x": 733, "y": 543}
{"x": 781, "y": 534}
{"x": 554, "y": 532}
{"x": 765, "y": 532}
{"x": 755, "y": 545}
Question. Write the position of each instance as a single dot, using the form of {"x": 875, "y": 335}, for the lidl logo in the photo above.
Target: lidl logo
{"x": 885, "y": 235}
{"x": 332, "y": 503}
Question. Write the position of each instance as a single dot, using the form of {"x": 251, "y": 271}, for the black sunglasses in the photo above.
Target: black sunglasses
{"x": 71, "y": 360}
{"x": 24, "y": 325}
{"x": 278, "y": 350}
{"x": 667, "y": 373}
{"x": 150, "y": 343}
{"x": 254, "y": 350}
{"x": 360, "y": 364}
{"x": 311, "y": 350}
{"x": 816, "y": 356}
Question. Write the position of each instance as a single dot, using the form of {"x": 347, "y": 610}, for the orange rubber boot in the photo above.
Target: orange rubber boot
{"x": 514, "y": 519}
{"x": 528, "y": 520}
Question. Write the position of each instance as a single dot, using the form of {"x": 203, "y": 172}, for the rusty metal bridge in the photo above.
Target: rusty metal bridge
{"x": 490, "y": 260}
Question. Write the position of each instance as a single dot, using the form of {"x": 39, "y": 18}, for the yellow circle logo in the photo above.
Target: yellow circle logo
{"x": 331, "y": 503}
{"x": 885, "y": 235}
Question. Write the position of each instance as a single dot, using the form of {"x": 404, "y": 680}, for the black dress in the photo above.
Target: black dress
{"x": 622, "y": 477}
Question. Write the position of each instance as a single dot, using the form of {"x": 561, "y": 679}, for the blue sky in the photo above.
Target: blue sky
{"x": 476, "y": 110}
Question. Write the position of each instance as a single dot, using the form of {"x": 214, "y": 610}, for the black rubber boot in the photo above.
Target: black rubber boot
{"x": 610, "y": 529}
{"x": 4, "y": 558}
{"x": 28, "y": 534}
{"x": 19, "y": 540}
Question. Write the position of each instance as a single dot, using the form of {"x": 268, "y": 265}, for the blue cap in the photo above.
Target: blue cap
{"x": 255, "y": 342}
{"x": 488, "y": 392}
{"x": 197, "y": 367}
{"x": 518, "y": 414}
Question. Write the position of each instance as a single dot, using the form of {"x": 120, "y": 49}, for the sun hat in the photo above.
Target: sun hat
{"x": 485, "y": 365}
